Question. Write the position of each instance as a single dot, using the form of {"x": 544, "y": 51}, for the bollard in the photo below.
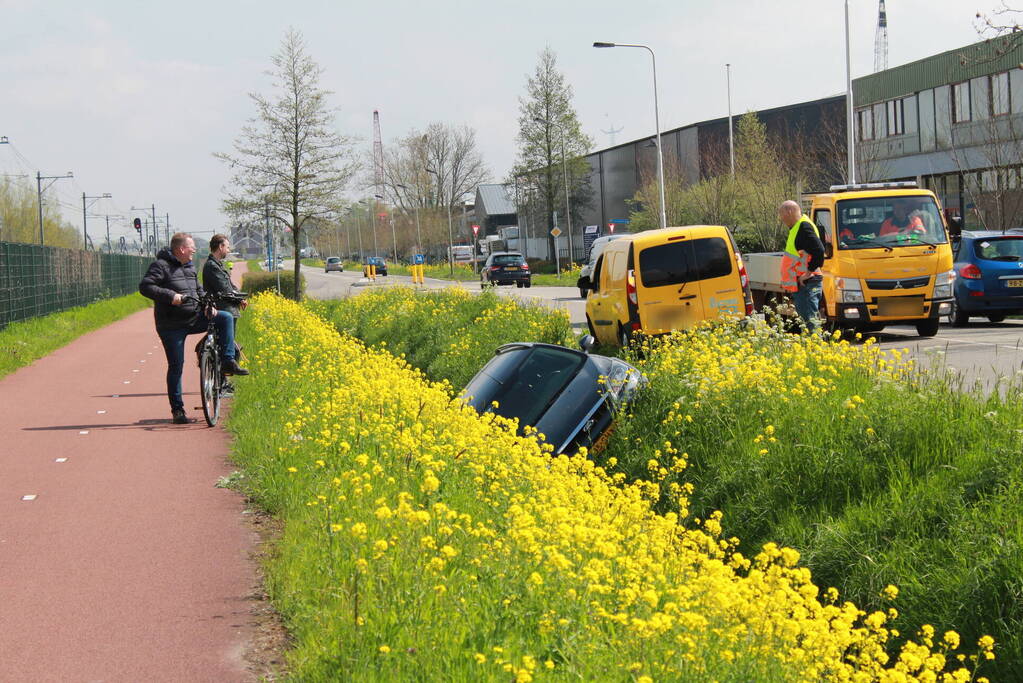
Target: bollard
{"x": 373, "y": 273}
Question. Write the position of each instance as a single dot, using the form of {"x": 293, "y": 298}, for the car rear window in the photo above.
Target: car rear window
{"x": 684, "y": 261}
{"x": 508, "y": 260}
{"x": 999, "y": 249}
{"x": 524, "y": 381}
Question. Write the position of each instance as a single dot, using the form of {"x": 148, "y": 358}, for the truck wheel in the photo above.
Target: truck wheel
{"x": 927, "y": 328}
{"x": 957, "y": 317}
{"x": 996, "y": 318}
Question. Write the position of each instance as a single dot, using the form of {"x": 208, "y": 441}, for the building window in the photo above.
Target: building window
{"x": 894, "y": 110}
{"x": 961, "y": 102}
{"x": 1000, "y": 94}
{"x": 865, "y": 124}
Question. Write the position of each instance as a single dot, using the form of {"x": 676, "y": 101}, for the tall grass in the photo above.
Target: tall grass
{"x": 25, "y": 341}
{"x": 425, "y": 542}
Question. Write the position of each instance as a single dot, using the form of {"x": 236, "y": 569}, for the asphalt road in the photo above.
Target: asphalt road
{"x": 981, "y": 352}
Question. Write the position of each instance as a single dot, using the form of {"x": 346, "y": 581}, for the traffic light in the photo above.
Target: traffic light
{"x": 138, "y": 226}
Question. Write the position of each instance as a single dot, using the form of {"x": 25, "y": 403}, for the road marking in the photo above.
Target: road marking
{"x": 29, "y": 496}
{"x": 127, "y": 381}
{"x": 135, "y": 370}
{"x": 116, "y": 396}
{"x": 101, "y": 412}
{"x": 143, "y": 360}
{"x": 84, "y": 431}
{"x": 61, "y": 460}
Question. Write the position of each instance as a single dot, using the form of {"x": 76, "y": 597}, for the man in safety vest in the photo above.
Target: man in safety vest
{"x": 801, "y": 263}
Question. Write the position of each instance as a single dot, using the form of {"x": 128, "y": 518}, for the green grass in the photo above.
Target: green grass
{"x": 25, "y": 341}
{"x": 314, "y": 262}
{"x": 448, "y": 334}
{"x": 254, "y": 265}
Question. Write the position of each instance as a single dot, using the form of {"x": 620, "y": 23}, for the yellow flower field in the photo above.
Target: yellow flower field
{"x": 425, "y": 542}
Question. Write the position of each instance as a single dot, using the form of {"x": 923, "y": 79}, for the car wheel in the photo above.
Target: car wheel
{"x": 927, "y": 328}
{"x": 519, "y": 285}
{"x": 996, "y": 318}
{"x": 529, "y": 283}
{"x": 957, "y": 317}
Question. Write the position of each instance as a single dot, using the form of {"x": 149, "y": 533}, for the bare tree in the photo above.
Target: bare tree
{"x": 1002, "y": 23}
{"x": 288, "y": 161}
{"x": 545, "y": 115}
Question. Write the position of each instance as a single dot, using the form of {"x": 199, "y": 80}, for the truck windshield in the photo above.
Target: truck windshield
{"x": 889, "y": 222}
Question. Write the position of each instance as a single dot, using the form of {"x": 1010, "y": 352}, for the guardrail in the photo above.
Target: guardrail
{"x": 37, "y": 280}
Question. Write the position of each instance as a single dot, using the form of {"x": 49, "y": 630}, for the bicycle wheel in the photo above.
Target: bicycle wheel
{"x": 209, "y": 383}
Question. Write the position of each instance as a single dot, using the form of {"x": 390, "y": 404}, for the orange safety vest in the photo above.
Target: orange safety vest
{"x": 794, "y": 262}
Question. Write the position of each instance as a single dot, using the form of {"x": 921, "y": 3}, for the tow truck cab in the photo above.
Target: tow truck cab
{"x": 887, "y": 256}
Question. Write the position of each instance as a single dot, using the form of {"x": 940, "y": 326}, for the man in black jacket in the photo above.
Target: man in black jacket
{"x": 216, "y": 279}
{"x": 170, "y": 282}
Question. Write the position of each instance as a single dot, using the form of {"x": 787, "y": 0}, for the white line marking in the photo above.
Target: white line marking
{"x": 101, "y": 412}
{"x": 61, "y": 460}
{"x": 84, "y": 431}
{"x": 135, "y": 370}
{"x": 127, "y": 381}
{"x": 30, "y": 496}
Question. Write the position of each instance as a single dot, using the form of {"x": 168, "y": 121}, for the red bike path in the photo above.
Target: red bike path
{"x": 129, "y": 564}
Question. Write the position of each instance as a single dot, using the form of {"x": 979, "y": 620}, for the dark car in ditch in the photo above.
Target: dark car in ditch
{"x": 569, "y": 396}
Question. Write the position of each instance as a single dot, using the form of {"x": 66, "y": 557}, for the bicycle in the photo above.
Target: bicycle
{"x": 211, "y": 376}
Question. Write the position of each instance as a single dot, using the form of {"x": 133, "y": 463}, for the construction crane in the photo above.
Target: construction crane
{"x": 881, "y": 40}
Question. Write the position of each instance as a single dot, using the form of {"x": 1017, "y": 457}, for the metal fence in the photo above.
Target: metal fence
{"x": 37, "y": 280}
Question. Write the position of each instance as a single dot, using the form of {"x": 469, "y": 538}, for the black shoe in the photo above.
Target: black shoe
{"x": 226, "y": 389}
{"x": 178, "y": 417}
{"x": 230, "y": 367}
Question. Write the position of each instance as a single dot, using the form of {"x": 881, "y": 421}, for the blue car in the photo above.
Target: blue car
{"x": 989, "y": 275}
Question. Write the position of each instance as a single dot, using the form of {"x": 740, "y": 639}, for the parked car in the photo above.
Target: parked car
{"x": 273, "y": 264}
{"x": 989, "y": 275}
{"x": 379, "y": 262}
{"x": 333, "y": 263}
{"x": 656, "y": 281}
{"x": 505, "y": 268}
{"x": 569, "y": 396}
{"x": 596, "y": 249}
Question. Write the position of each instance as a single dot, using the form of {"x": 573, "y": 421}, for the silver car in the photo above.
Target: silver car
{"x": 596, "y": 249}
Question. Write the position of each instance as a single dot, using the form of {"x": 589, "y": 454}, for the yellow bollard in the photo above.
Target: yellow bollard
{"x": 373, "y": 273}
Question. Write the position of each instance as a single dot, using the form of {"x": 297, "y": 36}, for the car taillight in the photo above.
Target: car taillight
{"x": 970, "y": 271}
{"x": 493, "y": 268}
{"x": 630, "y": 287}
{"x": 525, "y": 266}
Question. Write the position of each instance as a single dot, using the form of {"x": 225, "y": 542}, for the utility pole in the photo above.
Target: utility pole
{"x": 39, "y": 193}
{"x": 85, "y": 229}
{"x": 731, "y": 142}
{"x": 152, "y": 235}
{"x": 167, "y": 230}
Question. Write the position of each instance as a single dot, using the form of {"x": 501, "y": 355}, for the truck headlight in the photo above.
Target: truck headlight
{"x": 942, "y": 291}
{"x": 849, "y": 290}
{"x": 943, "y": 284}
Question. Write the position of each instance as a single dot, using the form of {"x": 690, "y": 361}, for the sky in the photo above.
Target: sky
{"x": 134, "y": 97}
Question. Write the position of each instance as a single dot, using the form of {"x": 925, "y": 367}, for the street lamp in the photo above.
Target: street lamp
{"x": 451, "y": 239}
{"x": 850, "y": 133}
{"x": 419, "y": 234}
{"x": 657, "y": 123}
{"x": 85, "y": 208}
{"x": 564, "y": 167}
{"x": 40, "y": 189}
{"x": 731, "y": 143}
{"x": 394, "y": 236}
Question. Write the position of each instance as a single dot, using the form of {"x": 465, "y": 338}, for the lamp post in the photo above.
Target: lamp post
{"x": 85, "y": 208}
{"x": 657, "y": 123}
{"x": 850, "y": 137}
{"x": 40, "y": 189}
{"x": 731, "y": 143}
{"x": 451, "y": 239}
{"x": 564, "y": 168}
{"x": 394, "y": 236}
{"x": 419, "y": 234}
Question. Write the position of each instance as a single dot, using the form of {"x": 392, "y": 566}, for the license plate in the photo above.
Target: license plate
{"x": 892, "y": 306}
{"x": 511, "y": 268}
{"x": 1014, "y": 283}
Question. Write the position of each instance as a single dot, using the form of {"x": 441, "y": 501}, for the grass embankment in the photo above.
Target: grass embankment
{"x": 254, "y": 265}
{"x": 423, "y": 542}
{"x": 448, "y": 334}
{"x": 25, "y": 341}
{"x": 839, "y": 450}
{"x": 314, "y": 262}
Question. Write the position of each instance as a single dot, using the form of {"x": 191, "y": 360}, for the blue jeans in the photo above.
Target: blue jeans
{"x": 807, "y": 300}
{"x": 174, "y": 348}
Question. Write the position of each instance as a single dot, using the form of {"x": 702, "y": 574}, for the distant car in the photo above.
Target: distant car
{"x": 379, "y": 262}
{"x": 333, "y": 263}
{"x": 273, "y": 265}
{"x": 569, "y": 396}
{"x": 989, "y": 276}
{"x": 596, "y": 249}
{"x": 505, "y": 268}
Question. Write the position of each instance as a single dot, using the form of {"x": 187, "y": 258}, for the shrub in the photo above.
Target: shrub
{"x": 261, "y": 281}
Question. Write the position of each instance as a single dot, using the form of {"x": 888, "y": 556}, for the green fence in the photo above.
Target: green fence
{"x": 37, "y": 280}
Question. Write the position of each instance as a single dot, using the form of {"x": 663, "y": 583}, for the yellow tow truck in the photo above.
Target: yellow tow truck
{"x": 887, "y": 259}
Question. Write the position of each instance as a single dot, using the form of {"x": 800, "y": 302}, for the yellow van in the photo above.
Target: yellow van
{"x": 657, "y": 281}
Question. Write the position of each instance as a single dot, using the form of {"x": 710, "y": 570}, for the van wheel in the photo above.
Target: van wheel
{"x": 624, "y": 338}
{"x": 927, "y": 328}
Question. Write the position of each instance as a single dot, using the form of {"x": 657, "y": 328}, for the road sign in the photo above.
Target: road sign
{"x": 556, "y": 232}
{"x": 475, "y": 230}
{"x": 611, "y": 227}
{"x": 418, "y": 259}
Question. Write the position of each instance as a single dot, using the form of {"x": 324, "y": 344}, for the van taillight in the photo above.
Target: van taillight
{"x": 970, "y": 271}
{"x": 630, "y": 287}
{"x": 744, "y": 281}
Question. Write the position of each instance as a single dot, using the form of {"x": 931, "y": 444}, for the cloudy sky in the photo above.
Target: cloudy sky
{"x": 134, "y": 96}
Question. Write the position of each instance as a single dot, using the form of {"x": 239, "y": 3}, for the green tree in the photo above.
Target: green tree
{"x": 545, "y": 115}
{"x": 19, "y": 217}
{"x": 289, "y": 160}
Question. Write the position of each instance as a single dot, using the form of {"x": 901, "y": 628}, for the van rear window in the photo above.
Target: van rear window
{"x": 684, "y": 261}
